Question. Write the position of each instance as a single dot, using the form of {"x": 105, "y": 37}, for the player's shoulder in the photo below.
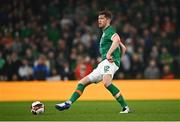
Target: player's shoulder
{"x": 111, "y": 28}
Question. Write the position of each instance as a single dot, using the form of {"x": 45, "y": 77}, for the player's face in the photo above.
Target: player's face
{"x": 102, "y": 21}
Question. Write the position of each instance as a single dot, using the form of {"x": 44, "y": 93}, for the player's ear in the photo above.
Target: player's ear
{"x": 109, "y": 20}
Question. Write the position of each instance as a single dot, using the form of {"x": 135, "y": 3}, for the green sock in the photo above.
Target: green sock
{"x": 121, "y": 100}
{"x": 114, "y": 90}
{"x": 79, "y": 90}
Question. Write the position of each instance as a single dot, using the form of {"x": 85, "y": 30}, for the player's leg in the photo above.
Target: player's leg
{"x": 79, "y": 90}
{"x": 107, "y": 81}
{"x": 77, "y": 93}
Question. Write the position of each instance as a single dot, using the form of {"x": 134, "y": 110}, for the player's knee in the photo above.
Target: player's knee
{"x": 106, "y": 80}
{"x": 84, "y": 81}
{"x": 106, "y": 83}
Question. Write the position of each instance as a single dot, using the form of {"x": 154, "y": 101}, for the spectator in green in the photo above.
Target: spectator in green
{"x": 26, "y": 30}
{"x": 166, "y": 58}
{"x": 2, "y": 62}
{"x": 53, "y": 32}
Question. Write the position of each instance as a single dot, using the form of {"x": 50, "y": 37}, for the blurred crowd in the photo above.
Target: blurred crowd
{"x": 59, "y": 40}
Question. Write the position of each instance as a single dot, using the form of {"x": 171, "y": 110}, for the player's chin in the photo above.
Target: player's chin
{"x": 100, "y": 26}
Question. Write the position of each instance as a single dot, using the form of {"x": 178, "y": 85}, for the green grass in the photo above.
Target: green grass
{"x": 94, "y": 110}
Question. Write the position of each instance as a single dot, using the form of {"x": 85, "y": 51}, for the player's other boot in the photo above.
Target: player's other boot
{"x": 63, "y": 106}
{"x": 125, "y": 110}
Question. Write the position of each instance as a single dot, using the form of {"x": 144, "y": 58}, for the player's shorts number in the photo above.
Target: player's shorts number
{"x": 106, "y": 68}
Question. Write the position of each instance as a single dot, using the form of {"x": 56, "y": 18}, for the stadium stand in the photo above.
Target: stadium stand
{"x": 64, "y": 34}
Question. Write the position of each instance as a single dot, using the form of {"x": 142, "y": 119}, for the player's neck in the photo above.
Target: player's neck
{"x": 106, "y": 27}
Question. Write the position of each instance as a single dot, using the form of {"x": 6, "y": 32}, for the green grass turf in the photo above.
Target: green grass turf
{"x": 94, "y": 110}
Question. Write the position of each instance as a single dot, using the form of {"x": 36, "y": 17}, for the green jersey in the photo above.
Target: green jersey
{"x": 105, "y": 44}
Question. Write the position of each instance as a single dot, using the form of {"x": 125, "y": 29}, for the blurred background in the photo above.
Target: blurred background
{"x": 59, "y": 39}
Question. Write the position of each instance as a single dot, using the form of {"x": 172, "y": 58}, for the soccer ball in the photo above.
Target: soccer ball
{"x": 37, "y": 108}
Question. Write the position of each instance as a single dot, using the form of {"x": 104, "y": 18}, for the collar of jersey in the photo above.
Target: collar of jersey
{"x": 106, "y": 28}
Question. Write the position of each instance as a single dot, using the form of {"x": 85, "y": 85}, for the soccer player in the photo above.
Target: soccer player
{"x": 111, "y": 50}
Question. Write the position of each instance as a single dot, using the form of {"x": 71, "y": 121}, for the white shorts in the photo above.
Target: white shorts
{"x": 105, "y": 67}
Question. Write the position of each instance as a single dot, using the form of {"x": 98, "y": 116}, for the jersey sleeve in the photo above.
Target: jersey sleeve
{"x": 112, "y": 32}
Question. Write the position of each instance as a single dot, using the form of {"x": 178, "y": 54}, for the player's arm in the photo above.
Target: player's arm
{"x": 116, "y": 41}
{"x": 123, "y": 47}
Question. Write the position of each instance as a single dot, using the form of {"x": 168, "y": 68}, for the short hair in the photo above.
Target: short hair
{"x": 106, "y": 13}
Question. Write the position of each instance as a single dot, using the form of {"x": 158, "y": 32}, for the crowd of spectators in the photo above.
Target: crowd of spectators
{"x": 59, "y": 40}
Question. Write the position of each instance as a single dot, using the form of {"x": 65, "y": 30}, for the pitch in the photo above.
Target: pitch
{"x": 164, "y": 110}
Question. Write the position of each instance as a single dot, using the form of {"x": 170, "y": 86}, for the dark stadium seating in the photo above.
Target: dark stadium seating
{"x": 65, "y": 32}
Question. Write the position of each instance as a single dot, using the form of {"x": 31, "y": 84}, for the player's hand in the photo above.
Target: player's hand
{"x": 109, "y": 58}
